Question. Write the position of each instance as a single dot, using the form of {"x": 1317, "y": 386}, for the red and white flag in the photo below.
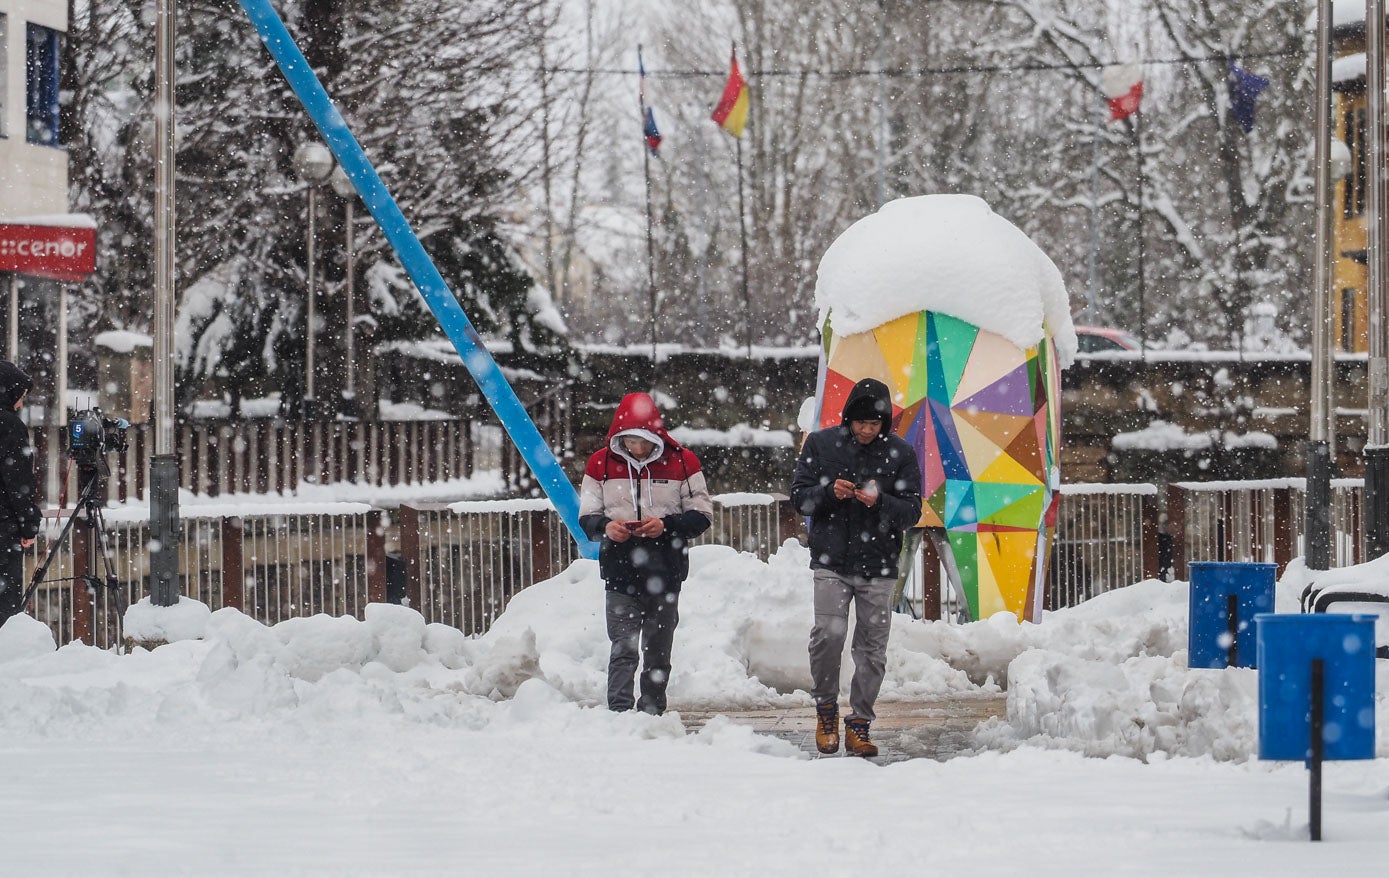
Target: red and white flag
{"x": 1123, "y": 89}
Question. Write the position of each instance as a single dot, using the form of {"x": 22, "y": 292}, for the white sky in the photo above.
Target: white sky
{"x": 387, "y": 747}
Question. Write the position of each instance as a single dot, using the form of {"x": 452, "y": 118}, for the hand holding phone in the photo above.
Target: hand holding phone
{"x": 866, "y": 492}
{"x": 651, "y": 528}
{"x": 619, "y": 531}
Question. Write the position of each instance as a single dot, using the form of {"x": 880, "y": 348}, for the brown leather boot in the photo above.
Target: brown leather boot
{"x": 856, "y": 742}
{"x": 827, "y": 727}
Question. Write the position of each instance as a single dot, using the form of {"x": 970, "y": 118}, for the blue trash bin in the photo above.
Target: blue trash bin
{"x": 1213, "y": 585}
{"x": 1346, "y": 645}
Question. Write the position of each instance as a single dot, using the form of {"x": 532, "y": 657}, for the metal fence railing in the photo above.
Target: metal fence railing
{"x": 461, "y": 564}
{"x": 752, "y": 523}
{"x": 324, "y": 559}
{"x": 1106, "y": 537}
{"x": 465, "y": 561}
{"x": 218, "y": 457}
{"x": 1259, "y": 521}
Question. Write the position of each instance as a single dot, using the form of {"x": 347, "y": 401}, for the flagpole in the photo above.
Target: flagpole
{"x": 1092, "y": 313}
{"x": 743, "y": 228}
{"x": 731, "y": 115}
{"x": 1239, "y": 288}
{"x": 1320, "y": 455}
{"x": 1377, "y": 439}
{"x": 1142, "y": 187}
{"x": 650, "y": 259}
{"x": 650, "y": 244}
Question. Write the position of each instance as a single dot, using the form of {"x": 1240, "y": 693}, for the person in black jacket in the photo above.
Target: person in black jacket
{"x": 19, "y": 514}
{"x": 860, "y": 484}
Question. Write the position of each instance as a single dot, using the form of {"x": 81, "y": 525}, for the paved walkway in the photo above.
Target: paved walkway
{"x": 904, "y": 729}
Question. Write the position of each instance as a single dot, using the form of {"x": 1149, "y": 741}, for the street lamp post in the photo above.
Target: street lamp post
{"x": 342, "y": 185}
{"x": 1377, "y": 249}
{"x": 313, "y": 163}
{"x": 165, "y": 588}
{"x": 1322, "y": 432}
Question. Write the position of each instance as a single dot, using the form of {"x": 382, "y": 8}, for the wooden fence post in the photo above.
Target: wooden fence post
{"x": 139, "y": 440}
{"x": 467, "y": 433}
{"x": 410, "y": 553}
{"x": 1149, "y": 513}
{"x": 930, "y": 580}
{"x": 233, "y": 564}
{"x": 791, "y": 522}
{"x": 82, "y": 628}
{"x": 1176, "y": 526}
{"x": 541, "y": 568}
{"x": 122, "y": 473}
{"x": 1284, "y": 539}
{"x": 376, "y": 558}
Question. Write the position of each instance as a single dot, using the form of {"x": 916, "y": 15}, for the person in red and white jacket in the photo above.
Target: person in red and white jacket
{"x": 644, "y": 498}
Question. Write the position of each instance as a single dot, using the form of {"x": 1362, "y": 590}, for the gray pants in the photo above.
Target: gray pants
{"x": 872, "y": 623}
{"x": 640, "y": 625}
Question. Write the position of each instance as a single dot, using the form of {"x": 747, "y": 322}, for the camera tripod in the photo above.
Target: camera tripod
{"x": 90, "y": 481}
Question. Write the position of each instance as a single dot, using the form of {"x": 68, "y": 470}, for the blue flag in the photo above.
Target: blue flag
{"x": 1245, "y": 88}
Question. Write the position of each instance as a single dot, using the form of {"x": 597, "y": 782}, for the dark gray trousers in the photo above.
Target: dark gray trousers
{"x": 872, "y": 599}
{"x": 640, "y": 625}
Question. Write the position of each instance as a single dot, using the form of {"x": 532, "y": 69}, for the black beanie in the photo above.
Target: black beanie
{"x": 14, "y": 382}
{"x": 870, "y": 400}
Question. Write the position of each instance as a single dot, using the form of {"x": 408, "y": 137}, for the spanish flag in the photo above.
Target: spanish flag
{"x": 732, "y": 111}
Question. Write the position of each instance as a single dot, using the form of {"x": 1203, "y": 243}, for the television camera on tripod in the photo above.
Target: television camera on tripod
{"x": 91, "y": 437}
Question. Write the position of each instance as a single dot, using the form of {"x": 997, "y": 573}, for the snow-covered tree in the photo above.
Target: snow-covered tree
{"x": 417, "y": 82}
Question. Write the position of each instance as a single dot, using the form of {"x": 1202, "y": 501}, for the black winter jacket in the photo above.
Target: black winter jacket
{"x": 845, "y": 535}
{"x": 19, "y": 516}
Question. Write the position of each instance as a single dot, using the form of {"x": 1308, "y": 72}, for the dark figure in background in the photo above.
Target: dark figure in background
{"x": 860, "y": 484}
{"x": 19, "y": 514}
{"x": 645, "y": 498}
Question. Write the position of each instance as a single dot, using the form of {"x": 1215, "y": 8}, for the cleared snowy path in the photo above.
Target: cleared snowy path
{"x": 937, "y": 729}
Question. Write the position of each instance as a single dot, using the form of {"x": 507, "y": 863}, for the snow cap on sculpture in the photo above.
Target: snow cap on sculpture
{"x": 952, "y": 255}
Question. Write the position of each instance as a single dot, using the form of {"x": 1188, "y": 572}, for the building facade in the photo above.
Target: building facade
{"x": 33, "y": 162}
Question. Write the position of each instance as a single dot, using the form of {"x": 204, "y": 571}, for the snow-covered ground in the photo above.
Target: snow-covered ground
{"x": 329, "y": 746}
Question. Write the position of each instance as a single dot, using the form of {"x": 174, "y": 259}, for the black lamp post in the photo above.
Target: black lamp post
{"x": 313, "y": 163}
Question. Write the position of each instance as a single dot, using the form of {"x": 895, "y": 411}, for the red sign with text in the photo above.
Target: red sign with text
{"x": 60, "y": 252}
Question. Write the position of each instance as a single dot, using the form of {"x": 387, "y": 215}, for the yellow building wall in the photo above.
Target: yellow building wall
{"x": 1349, "y": 236}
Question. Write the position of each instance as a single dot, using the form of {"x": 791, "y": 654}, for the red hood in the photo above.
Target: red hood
{"x": 638, "y": 411}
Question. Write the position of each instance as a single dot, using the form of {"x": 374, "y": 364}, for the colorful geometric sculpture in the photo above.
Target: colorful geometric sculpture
{"x": 981, "y": 414}
{"x": 968, "y": 321}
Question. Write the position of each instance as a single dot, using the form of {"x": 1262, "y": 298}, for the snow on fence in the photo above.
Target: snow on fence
{"x": 460, "y": 564}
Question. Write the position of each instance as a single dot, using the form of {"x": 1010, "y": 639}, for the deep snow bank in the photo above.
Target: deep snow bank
{"x": 1108, "y": 677}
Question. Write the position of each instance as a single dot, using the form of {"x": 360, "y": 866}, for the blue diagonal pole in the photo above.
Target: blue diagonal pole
{"x": 420, "y": 267}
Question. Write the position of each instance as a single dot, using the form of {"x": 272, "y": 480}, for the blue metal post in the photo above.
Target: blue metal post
{"x": 420, "y": 267}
